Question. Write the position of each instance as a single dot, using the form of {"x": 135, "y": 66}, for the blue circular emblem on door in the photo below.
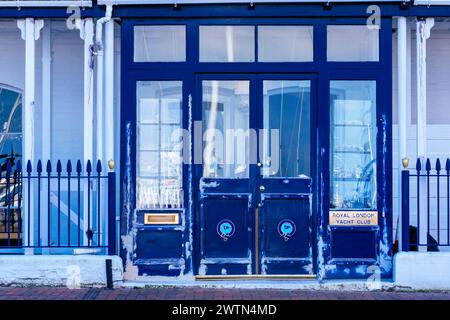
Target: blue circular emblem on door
{"x": 286, "y": 229}
{"x": 225, "y": 229}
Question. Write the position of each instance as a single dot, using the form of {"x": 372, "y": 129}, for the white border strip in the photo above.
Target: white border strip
{"x": 49, "y": 3}
{"x": 432, "y": 2}
{"x": 147, "y": 2}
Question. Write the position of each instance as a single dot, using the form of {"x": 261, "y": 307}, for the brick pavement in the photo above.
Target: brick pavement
{"x": 199, "y": 293}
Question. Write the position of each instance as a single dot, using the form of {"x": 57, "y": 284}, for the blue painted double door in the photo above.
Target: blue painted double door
{"x": 254, "y": 200}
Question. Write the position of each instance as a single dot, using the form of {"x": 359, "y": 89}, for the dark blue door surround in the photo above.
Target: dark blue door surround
{"x": 339, "y": 252}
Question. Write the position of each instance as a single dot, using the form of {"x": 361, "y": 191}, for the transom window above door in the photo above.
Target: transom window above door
{"x": 274, "y": 43}
{"x": 225, "y": 43}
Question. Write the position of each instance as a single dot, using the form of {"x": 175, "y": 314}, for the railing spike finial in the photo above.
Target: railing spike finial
{"x": 69, "y": 166}
{"x": 58, "y": 166}
{"x": 29, "y": 166}
{"x": 438, "y": 165}
{"x": 19, "y": 166}
{"x": 447, "y": 165}
{"x": 38, "y": 167}
{"x": 428, "y": 165}
{"x": 79, "y": 169}
{"x": 89, "y": 166}
{"x": 99, "y": 166}
{"x": 418, "y": 165}
{"x": 48, "y": 167}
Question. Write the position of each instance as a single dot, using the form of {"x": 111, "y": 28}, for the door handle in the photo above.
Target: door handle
{"x": 262, "y": 188}
{"x": 259, "y": 164}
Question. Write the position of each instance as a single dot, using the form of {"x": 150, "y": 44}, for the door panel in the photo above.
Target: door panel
{"x": 286, "y": 235}
{"x": 224, "y": 188}
{"x": 285, "y": 179}
{"x": 225, "y": 238}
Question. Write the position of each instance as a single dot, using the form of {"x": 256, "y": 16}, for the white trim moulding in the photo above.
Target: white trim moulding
{"x": 173, "y": 2}
{"x": 35, "y": 3}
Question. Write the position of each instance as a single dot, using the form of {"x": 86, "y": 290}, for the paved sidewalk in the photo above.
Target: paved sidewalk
{"x": 197, "y": 293}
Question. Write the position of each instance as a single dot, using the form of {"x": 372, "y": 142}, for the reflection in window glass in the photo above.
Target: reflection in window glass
{"x": 352, "y": 43}
{"x": 226, "y": 129}
{"x": 159, "y": 43}
{"x": 285, "y": 43}
{"x": 159, "y": 140}
{"x": 353, "y": 145}
{"x": 287, "y": 133}
{"x": 227, "y": 43}
{"x": 10, "y": 150}
{"x": 11, "y": 124}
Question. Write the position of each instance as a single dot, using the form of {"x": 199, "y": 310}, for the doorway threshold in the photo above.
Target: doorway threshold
{"x": 256, "y": 277}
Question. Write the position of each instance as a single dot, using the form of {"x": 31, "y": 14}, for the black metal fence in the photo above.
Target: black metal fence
{"x": 425, "y": 206}
{"x": 61, "y": 208}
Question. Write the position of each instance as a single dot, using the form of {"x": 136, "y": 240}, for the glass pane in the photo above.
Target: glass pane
{"x": 353, "y": 145}
{"x": 352, "y": 43}
{"x": 148, "y": 137}
{"x": 159, "y": 141}
{"x": 147, "y": 193}
{"x": 171, "y": 139}
{"x": 171, "y": 111}
{"x": 159, "y": 193}
{"x": 227, "y": 43}
{"x": 226, "y": 129}
{"x": 159, "y": 43}
{"x": 285, "y": 43}
{"x": 287, "y": 132}
{"x": 10, "y": 125}
{"x": 148, "y": 110}
{"x": 148, "y": 164}
{"x": 170, "y": 164}
{"x": 10, "y": 146}
{"x": 10, "y": 111}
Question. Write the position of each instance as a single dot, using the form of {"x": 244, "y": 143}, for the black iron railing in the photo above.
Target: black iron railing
{"x": 67, "y": 208}
{"x": 426, "y": 206}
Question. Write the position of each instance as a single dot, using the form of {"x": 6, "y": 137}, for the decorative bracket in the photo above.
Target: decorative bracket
{"x": 21, "y": 25}
{"x": 38, "y": 25}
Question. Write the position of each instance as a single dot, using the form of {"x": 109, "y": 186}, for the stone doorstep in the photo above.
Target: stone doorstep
{"x": 331, "y": 285}
{"x": 422, "y": 270}
{"x": 58, "y": 270}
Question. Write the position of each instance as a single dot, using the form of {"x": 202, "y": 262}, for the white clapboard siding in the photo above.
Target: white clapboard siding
{"x": 67, "y": 94}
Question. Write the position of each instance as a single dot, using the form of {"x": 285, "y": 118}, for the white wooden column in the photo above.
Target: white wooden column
{"x": 108, "y": 137}
{"x": 46, "y": 112}
{"x": 46, "y": 90}
{"x": 30, "y": 30}
{"x": 401, "y": 105}
{"x": 109, "y": 90}
{"x": 87, "y": 34}
{"x": 423, "y": 29}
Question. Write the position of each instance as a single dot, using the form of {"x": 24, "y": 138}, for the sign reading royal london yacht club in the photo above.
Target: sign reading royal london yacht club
{"x": 354, "y": 218}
